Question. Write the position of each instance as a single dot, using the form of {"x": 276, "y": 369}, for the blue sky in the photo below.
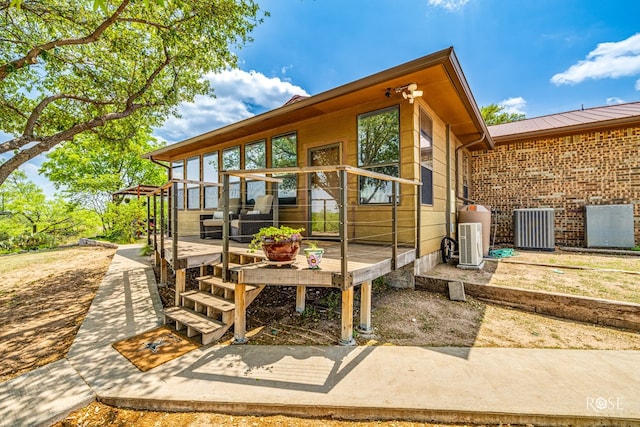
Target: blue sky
{"x": 534, "y": 57}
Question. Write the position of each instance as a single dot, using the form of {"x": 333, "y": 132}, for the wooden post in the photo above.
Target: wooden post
{"x": 365, "y": 309}
{"x": 301, "y": 292}
{"x": 225, "y": 228}
{"x": 240, "y": 315}
{"x": 148, "y": 221}
{"x": 344, "y": 228}
{"x": 394, "y": 225}
{"x": 174, "y": 226}
{"x": 164, "y": 270}
{"x": 181, "y": 283}
{"x": 203, "y": 270}
{"x": 347, "y": 317}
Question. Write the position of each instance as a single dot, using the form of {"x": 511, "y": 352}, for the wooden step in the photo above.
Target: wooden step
{"x": 208, "y": 300}
{"x": 210, "y": 281}
{"x": 194, "y": 323}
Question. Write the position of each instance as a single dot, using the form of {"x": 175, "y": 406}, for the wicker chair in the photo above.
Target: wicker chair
{"x": 247, "y": 224}
{"x": 211, "y": 224}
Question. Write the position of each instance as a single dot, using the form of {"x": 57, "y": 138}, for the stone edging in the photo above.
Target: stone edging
{"x": 584, "y": 309}
{"x": 90, "y": 242}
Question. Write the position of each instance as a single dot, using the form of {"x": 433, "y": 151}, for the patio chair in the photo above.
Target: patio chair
{"x": 243, "y": 228}
{"x": 211, "y": 224}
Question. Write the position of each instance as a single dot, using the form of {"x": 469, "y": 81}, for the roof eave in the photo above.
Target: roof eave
{"x": 445, "y": 57}
{"x": 581, "y": 128}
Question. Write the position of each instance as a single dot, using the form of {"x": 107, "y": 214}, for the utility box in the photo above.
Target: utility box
{"x": 609, "y": 226}
{"x": 470, "y": 245}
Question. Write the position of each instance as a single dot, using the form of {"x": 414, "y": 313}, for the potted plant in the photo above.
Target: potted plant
{"x": 279, "y": 244}
{"x": 313, "y": 254}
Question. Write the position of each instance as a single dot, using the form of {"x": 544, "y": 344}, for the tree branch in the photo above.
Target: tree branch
{"x": 31, "y": 56}
{"x": 48, "y": 142}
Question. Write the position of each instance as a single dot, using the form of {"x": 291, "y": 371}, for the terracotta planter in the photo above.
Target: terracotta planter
{"x": 281, "y": 251}
{"x": 314, "y": 256}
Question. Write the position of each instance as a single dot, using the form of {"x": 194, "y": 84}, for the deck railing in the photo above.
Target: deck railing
{"x": 346, "y": 191}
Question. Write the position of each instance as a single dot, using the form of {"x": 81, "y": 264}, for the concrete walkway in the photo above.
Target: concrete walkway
{"x": 481, "y": 385}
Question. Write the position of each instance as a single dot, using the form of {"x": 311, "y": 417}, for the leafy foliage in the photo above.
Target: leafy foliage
{"x": 125, "y": 222}
{"x": 67, "y": 67}
{"x": 98, "y": 163}
{"x": 30, "y": 221}
{"x": 493, "y": 114}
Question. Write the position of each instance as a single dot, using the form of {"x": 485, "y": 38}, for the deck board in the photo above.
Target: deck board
{"x": 366, "y": 262}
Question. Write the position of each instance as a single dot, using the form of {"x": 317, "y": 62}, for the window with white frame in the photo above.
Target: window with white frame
{"x": 378, "y": 151}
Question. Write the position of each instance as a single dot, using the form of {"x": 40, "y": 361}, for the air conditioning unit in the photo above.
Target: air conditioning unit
{"x": 534, "y": 228}
{"x": 470, "y": 245}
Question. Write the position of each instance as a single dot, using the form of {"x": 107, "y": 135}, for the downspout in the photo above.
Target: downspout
{"x": 462, "y": 147}
{"x": 448, "y": 198}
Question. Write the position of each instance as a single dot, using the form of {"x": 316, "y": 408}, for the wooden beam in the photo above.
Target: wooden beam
{"x": 365, "y": 309}
{"x": 164, "y": 270}
{"x": 240, "y": 315}
{"x": 346, "y": 337}
{"x": 301, "y": 293}
{"x": 181, "y": 284}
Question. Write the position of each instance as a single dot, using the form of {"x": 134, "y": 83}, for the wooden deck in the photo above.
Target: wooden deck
{"x": 247, "y": 270}
{"x": 366, "y": 262}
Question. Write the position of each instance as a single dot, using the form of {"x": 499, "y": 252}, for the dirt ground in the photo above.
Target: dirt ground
{"x": 46, "y": 296}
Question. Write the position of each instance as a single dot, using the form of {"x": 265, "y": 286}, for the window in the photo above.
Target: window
{"x": 231, "y": 161}
{"x": 210, "y": 174}
{"x": 177, "y": 172}
{"x": 193, "y": 190}
{"x": 378, "y": 151}
{"x": 426, "y": 158}
{"x": 255, "y": 157}
{"x": 284, "y": 153}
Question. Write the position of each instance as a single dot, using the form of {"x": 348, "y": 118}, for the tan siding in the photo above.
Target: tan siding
{"x": 341, "y": 127}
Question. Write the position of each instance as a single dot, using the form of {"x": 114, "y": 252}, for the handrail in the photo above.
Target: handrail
{"x": 309, "y": 169}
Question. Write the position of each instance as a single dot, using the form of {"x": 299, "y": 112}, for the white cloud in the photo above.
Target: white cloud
{"x": 448, "y": 4}
{"x": 515, "y": 105}
{"x": 607, "y": 60}
{"x": 614, "y": 100}
{"x": 239, "y": 95}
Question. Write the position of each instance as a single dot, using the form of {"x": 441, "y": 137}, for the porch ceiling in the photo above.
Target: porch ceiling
{"x": 438, "y": 75}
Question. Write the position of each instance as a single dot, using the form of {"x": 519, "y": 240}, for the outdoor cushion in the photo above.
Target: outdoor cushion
{"x": 213, "y": 223}
{"x": 263, "y": 204}
{"x": 235, "y": 223}
{"x": 234, "y": 205}
{"x": 253, "y": 212}
{"x": 218, "y": 215}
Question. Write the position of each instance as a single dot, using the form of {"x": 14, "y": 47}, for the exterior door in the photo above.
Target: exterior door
{"x": 324, "y": 192}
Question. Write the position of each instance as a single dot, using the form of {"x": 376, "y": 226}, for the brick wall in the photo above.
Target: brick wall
{"x": 565, "y": 173}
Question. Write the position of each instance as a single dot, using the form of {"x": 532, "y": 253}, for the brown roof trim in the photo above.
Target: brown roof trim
{"x": 445, "y": 57}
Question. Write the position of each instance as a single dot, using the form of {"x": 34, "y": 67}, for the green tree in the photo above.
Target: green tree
{"x": 67, "y": 68}
{"x": 98, "y": 163}
{"x": 30, "y": 220}
{"x": 494, "y": 114}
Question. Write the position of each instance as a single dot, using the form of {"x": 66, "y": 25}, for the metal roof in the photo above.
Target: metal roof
{"x": 569, "y": 122}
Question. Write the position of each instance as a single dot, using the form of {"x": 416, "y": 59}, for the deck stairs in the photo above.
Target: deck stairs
{"x": 209, "y": 311}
